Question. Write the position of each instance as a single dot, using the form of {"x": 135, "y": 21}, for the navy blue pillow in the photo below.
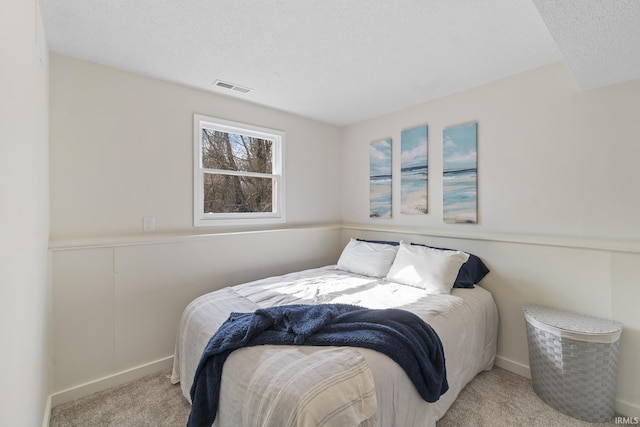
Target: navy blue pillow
{"x": 472, "y": 271}
{"x": 382, "y": 242}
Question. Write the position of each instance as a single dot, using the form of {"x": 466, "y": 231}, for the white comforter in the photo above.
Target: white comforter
{"x": 276, "y": 386}
{"x": 466, "y": 321}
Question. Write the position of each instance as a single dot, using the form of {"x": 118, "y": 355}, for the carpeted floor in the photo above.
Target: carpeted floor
{"x": 493, "y": 399}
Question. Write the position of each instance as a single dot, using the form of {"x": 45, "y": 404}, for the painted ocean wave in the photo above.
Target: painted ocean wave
{"x": 460, "y": 196}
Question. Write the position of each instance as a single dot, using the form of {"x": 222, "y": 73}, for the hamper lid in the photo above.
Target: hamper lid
{"x": 572, "y": 322}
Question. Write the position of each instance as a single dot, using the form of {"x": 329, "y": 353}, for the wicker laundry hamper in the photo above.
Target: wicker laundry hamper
{"x": 574, "y": 361}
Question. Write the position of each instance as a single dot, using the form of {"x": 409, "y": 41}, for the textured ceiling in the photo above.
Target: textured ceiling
{"x": 599, "y": 39}
{"x": 343, "y": 61}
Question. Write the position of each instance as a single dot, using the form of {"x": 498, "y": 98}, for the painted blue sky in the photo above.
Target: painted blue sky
{"x": 460, "y": 147}
{"x": 380, "y": 154}
{"x": 414, "y": 147}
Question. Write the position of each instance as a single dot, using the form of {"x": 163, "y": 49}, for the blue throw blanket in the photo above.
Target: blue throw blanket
{"x": 399, "y": 334}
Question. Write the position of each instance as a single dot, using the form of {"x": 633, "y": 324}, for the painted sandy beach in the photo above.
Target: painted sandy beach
{"x": 460, "y": 176}
{"x": 414, "y": 171}
{"x": 380, "y": 197}
{"x": 380, "y": 179}
{"x": 460, "y": 189}
{"x": 413, "y": 191}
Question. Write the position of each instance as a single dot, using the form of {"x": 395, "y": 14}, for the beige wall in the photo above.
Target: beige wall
{"x": 557, "y": 197}
{"x": 24, "y": 217}
{"x": 552, "y": 160}
{"x": 122, "y": 148}
{"x": 555, "y": 171}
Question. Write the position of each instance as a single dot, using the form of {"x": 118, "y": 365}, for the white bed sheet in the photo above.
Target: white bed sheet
{"x": 466, "y": 322}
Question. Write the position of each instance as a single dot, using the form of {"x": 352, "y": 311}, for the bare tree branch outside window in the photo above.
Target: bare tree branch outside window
{"x": 237, "y": 173}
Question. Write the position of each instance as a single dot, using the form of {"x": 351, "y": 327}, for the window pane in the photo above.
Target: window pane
{"x": 229, "y": 151}
{"x": 237, "y": 194}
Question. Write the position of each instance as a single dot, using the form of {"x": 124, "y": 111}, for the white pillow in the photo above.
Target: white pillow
{"x": 366, "y": 258}
{"x": 433, "y": 270}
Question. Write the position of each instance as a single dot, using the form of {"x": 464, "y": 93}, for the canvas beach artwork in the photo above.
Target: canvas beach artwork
{"x": 460, "y": 174}
{"x": 380, "y": 179}
{"x": 413, "y": 171}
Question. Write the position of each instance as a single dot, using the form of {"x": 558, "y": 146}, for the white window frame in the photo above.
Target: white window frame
{"x": 202, "y": 219}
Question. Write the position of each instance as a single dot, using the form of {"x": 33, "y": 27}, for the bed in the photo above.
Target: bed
{"x": 375, "y": 275}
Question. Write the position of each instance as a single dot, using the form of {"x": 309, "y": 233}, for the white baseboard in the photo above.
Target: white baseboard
{"x": 47, "y": 413}
{"x": 109, "y": 381}
{"x": 627, "y": 409}
{"x": 513, "y": 366}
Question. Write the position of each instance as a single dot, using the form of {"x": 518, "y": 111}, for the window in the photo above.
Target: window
{"x": 238, "y": 173}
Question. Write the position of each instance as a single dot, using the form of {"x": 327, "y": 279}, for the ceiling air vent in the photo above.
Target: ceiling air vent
{"x": 231, "y": 86}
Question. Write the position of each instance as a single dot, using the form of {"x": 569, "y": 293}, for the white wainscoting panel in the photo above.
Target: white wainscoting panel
{"x": 83, "y": 317}
{"x": 595, "y": 278}
{"x": 117, "y": 305}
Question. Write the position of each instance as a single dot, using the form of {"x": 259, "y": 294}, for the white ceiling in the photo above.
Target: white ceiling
{"x": 343, "y": 61}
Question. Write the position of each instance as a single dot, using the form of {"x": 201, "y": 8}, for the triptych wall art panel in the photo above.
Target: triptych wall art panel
{"x": 380, "y": 179}
{"x": 413, "y": 171}
{"x": 460, "y": 173}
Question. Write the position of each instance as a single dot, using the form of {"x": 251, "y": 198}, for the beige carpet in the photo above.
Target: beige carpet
{"x": 493, "y": 399}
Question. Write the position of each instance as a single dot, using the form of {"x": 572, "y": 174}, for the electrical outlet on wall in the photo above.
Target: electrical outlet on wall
{"x": 148, "y": 223}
